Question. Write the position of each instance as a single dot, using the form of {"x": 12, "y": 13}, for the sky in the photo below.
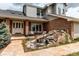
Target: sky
{"x": 16, "y": 6}
{"x": 73, "y": 8}
{"x": 10, "y": 6}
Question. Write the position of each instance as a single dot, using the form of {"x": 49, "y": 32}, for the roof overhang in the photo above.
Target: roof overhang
{"x": 22, "y": 18}
{"x": 65, "y": 17}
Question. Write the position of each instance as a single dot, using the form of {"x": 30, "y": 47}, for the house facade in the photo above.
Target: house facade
{"x": 35, "y": 20}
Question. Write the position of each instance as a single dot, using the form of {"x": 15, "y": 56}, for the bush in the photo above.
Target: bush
{"x": 5, "y": 35}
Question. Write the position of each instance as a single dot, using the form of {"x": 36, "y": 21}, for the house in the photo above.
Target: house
{"x": 37, "y": 19}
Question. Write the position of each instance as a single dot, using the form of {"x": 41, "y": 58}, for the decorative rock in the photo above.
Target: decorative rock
{"x": 53, "y": 38}
{"x": 31, "y": 45}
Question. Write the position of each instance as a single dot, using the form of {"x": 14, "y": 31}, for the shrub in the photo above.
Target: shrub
{"x": 5, "y": 35}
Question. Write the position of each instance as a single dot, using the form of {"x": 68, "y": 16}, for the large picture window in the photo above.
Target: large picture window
{"x": 36, "y": 27}
{"x": 17, "y": 25}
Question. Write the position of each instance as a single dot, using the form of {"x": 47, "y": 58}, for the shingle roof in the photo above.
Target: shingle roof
{"x": 65, "y": 17}
{"x": 17, "y": 15}
{"x": 29, "y": 4}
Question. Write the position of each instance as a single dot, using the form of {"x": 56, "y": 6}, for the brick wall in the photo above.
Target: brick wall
{"x": 59, "y": 24}
{"x": 26, "y": 27}
{"x": 9, "y": 25}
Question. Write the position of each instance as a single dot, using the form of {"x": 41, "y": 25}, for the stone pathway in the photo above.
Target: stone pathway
{"x": 15, "y": 49}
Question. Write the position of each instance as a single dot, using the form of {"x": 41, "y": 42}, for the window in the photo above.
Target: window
{"x": 63, "y": 11}
{"x": 16, "y": 25}
{"x": 40, "y": 27}
{"x": 36, "y": 27}
{"x": 22, "y": 25}
{"x": 59, "y": 11}
{"x": 40, "y": 12}
{"x": 13, "y": 25}
{"x": 33, "y": 28}
{"x": 19, "y": 25}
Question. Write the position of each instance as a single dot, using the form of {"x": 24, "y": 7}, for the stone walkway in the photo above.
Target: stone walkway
{"x": 15, "y": 49}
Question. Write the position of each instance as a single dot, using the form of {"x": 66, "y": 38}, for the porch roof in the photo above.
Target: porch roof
{"x": 18, "y": 15}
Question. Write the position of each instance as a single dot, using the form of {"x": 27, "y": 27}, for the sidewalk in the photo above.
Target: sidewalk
{"x": 15, "y": 49}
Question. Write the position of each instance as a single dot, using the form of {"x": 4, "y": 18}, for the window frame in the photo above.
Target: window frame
{"x": 63, "y": 11}
{"x": 40, "y": 12}
{"x": 59, "y": 11}
{"x": 37, "y": 27}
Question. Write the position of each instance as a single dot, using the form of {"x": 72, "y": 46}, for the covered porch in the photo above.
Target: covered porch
{"x": 25, "y": 26}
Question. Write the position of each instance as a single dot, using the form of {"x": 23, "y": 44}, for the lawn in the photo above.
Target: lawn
{"x": 75, "y": 40}
{"x": 74, "y": 54}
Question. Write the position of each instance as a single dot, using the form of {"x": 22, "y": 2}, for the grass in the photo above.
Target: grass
{"x": 73, "y": 54}
{"x": 75, "y": 40}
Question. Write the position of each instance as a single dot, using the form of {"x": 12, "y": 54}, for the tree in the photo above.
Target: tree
{"x": 4, "y": 34}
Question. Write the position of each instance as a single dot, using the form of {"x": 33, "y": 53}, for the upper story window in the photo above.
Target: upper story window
{"x": 63, "y": 11}
{"x": 59, "y": 11}
{"x": 40, "y": 12}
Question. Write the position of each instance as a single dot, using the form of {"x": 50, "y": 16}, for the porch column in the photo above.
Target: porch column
{"x": 26, "y": 27}
{"x": 10, "y": 26}
{"x": 72, "y": 29}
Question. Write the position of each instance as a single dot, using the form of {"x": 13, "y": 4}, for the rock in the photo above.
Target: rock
{"x": 53, "y": 38}
{"x": 31, "y": 44}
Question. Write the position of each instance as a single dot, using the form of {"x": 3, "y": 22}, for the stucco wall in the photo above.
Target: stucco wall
{"x": 31, "y": 11}
{"x": 61, "y": 6}
{"x": 51, "y": 9}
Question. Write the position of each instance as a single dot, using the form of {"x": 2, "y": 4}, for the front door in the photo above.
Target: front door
{"x": 17, "y": 27}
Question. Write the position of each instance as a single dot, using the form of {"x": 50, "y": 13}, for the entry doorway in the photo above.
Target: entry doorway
{"x": 17, "y": 27}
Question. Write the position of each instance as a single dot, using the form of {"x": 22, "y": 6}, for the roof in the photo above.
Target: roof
{"x": 18, "y": 15}
{"x": 65, "y": 17}
{"x": 55, "y": 3}
{"x": 30, "y": 4}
